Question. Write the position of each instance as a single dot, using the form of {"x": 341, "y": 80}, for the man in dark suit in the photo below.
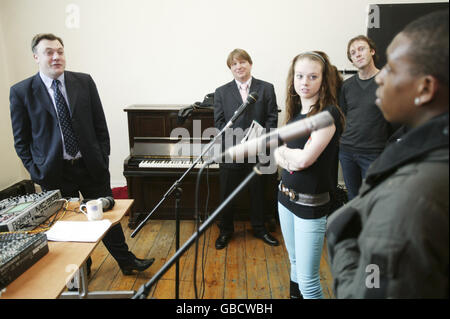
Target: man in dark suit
{"x": 227, "y": 99}
{"x": 61, "y": 136}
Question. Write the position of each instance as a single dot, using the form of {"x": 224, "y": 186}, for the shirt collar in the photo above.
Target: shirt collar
{"x": 48, "y": 81}
{"x": 249, "y": 82}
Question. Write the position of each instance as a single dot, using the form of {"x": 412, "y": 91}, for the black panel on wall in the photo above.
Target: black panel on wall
{"x": 386, "y": 20}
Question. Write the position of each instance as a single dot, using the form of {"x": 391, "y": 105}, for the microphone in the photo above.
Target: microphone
{"x": 251, "y": 98}
{"x": 107, "y": 202}
{"x": 275, "y": 138}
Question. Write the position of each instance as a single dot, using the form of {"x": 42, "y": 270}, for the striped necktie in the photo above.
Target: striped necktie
{"x": 70, "y": 140}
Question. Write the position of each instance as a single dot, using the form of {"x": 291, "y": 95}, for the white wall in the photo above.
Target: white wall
{"x": 171, "y": 51}
{"x": 11, "y": 168}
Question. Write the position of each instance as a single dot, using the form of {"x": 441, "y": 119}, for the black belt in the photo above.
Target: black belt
{"x": 305, "y": 199}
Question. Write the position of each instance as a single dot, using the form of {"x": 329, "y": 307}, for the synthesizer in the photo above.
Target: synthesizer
{"x": 26, "y": 212}
{"x": 18, "y": 252}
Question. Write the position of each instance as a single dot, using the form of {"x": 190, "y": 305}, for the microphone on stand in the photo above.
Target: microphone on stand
{"x": 275, "y": 138}
{"x": 251, "y": 98}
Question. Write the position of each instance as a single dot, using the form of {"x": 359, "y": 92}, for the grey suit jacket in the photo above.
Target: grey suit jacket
{"x": 37, "y": 137}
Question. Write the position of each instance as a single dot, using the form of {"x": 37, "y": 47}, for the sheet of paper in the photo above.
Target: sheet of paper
{"x": 254, "y": 131}
{"x": 78, "y": 231}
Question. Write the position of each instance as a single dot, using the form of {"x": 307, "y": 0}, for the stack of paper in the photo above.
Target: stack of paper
{"x": 79, "y": 231}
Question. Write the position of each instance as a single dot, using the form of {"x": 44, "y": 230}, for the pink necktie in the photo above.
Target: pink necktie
{"x": 243, "y": 91}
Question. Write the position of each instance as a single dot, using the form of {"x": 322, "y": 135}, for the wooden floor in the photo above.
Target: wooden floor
{"x": 246, "y": 269}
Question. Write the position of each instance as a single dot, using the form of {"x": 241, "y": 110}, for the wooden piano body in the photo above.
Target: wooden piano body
{"x": 150, "y": 128}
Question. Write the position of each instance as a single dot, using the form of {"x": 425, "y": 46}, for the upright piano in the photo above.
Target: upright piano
{"x": 152, "y": 166}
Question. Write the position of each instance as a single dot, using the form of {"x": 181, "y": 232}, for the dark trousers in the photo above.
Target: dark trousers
{"x": 354, "y": 168}
{"x": 76, "y": 178}
{"x": 230, "y": 178}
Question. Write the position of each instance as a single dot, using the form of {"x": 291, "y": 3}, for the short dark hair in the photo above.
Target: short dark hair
{"x": 369, "y": 41}
{"x": 238, "y": 54}
{"x": 429, "y": 44}
{"x": 44, "y": 36}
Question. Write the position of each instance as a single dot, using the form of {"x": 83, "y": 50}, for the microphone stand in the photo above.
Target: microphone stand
{"x": 144, "y": 290}
{"x": 177, "y": 188}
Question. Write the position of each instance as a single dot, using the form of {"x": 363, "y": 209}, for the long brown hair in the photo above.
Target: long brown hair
{"x": 329, "y": 89}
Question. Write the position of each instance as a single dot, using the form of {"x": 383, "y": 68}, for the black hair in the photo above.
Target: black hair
{"x": 429, "y": 44}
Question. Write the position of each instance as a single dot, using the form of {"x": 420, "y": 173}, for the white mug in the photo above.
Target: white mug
{"x": 94, "y": 209}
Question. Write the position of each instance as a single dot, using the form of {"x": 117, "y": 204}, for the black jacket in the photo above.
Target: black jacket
{"x": 227, "y": 100}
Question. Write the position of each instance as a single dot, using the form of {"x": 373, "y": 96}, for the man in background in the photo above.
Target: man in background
{"x": 227, "y": 99}
{"x": 366, "y": 131}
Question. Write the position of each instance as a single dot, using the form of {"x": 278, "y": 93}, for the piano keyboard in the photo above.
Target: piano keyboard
{"x": 173, "y": 164}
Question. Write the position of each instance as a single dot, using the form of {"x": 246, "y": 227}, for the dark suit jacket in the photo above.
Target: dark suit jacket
{"x": 37, "y": 137}
{"x": 227, "y": 100}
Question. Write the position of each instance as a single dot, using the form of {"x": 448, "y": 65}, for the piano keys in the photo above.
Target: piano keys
{"x": 170, "y": 153}
{"x": 155, "y": 164}
{"x": 163, "y": 152}
{"x": 173, "y": 164}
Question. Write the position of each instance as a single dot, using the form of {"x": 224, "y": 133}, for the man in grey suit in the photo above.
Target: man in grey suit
{"x": 61, "y": 136}
{"x": 227, "y": 99}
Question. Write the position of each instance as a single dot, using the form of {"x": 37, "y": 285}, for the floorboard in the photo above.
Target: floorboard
{"x": 246, "y": 269}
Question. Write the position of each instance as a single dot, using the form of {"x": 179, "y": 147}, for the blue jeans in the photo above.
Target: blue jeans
{"x": 354, "y": 168}
{"x": 304, "y": 243}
